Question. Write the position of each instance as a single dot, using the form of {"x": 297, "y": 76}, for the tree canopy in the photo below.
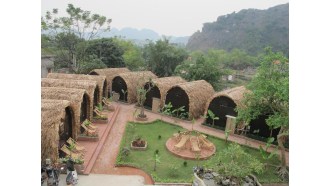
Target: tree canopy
{"x": 162, "y": 57}
{"x": 269, "y": 95}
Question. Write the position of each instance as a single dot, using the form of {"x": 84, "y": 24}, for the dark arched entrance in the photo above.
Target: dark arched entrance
{"x": 96, "y": 96}
{"x": 221, "y": 106}
{"x": 178, "y": 98}
{"x": 84, "y": 109}
{"x": 153, "y": 93}
{"x": 66, "y": 129}
{"x": 118, "y": 86}
{"x": 259, "y": 127}
{"x": 104, "y": 93}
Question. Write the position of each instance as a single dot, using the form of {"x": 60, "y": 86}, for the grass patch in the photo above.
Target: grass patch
{"x": 172, "y": 168}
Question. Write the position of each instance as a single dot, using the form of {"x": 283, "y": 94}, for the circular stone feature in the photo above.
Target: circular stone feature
{"x": 186, "y": 151}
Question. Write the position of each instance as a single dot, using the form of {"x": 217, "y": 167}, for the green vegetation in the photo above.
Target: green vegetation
{"x": 270, "y": 96}
{"x": 162, "y": 57}
{"x": 168, "y": 162}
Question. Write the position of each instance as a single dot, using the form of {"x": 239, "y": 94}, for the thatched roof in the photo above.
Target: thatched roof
{"x": 110, "y": 73}
{"x": 164, "y": 84}
{"x": 198, "y": 93}
{"x": 52, "y": 111}
{"x": 99, "y": 79}
{"x": 89, "y": 86}
{"x": 133, "y": 80}
{"x": 236, "y": 94}
{"x": 75, "y": 96}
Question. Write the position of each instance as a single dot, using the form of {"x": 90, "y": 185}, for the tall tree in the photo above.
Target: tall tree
{"x": 79, "y": 25}
{"x": 269, "y": 95}
{"x": 199, "y": 67}
{"x": 162, "y": 57}
{"x": 108, "y": 51}
{"x": 132, "y": 54}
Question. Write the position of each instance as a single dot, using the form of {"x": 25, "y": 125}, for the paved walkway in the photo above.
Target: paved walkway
{"x": 106, "y": 180}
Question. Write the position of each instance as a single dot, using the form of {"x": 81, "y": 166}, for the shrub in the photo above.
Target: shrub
{"x": 159, "y": 137}
{"x": 185, "y": 163}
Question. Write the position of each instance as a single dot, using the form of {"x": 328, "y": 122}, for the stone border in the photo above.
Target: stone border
{"x": 88, "y": 138}
{"x": 139, "y": 148}
{"x": 132, "y": 166}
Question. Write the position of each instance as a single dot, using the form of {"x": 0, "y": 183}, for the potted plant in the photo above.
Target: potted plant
{"x": 141, "y": 93}
{"x": 139, "y": 144}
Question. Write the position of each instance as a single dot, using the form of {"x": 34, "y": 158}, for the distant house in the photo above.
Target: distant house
{"x": 47, "y": 65}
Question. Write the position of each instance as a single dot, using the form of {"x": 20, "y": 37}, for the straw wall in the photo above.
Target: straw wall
{"x": 89, "y": 86}
{"x": 133, "y": 80}
{"x": 198, "y": 93}
{"x": 101, "y": 81}
{"x": 110, "y": 73}
{"x": 75, "y": 96}
{"x": 52, "y": 111}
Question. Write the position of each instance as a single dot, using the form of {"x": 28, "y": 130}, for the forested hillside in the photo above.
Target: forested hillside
{"x": 250, "y": 30}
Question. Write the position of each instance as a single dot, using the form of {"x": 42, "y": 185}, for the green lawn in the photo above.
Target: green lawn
{"x": 171, "y": 168}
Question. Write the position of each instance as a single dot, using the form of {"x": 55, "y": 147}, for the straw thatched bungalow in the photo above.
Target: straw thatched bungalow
{"x": 110, "y": 73}
{"x": 101, "y": 81}
{"x": 91, "y": 88}
{"x": 129, "y": 81}
{"x": 57, "y": 121}
{"x": 160, "y": 88}
{"x": 192, "y": 95}
{"x": 224, "y": 103}
{"x": 79, "y": 101}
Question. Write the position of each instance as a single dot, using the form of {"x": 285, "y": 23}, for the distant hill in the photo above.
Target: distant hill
{"x": 250, "y": 30}
{"x": 140, "y": 36}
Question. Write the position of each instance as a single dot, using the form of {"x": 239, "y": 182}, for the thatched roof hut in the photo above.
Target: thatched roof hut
{"x": 129, "y": 81}
{"x": 110, "y": 73}
{"x": 91, "y": 87}
{"x": 101, "y": 81}
{"x": 161, "y": 86}
{"x": 193, "y": 95}
{"x": 79, "y": 101}
{"x": 224, "y": 103}
{"x": 52, "y": 115}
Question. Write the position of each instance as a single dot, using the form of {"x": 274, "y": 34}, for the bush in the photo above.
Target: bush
{"x": 185, "y": 163}
{"x": 156, "y": 151}
{"x": 159, "y": 137}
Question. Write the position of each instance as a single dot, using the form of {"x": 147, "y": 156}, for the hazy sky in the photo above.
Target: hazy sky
{"x": 167, "y": 17}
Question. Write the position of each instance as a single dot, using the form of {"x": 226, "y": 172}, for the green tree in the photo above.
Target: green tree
{"x": 132, "y": 54}
{"x": 269, "y": 95}
{"x": 106, "y": 50}
{"x": 68, "y": 31}
{"x": 162, "y": 57}
{"x": 200, "y": 67}
{"x": 234, "y": 161}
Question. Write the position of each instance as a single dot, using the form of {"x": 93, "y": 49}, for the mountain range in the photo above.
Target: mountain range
{"x": 140, "y": 36}
{"x": 249, "y": 29}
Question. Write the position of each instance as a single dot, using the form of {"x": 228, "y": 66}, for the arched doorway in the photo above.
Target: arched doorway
{"x": 84, "y": 109}
{"x": 96, "y": 96}
{"x": 65, "y": 129}
{"x": 259, "y": 127}
{"x": 118, "y": 86}
{"x": 178, "y": 98}
{"x": 104, "y": 93}
{"x": 153, "y": 93}
{"x": 221, "y": 106}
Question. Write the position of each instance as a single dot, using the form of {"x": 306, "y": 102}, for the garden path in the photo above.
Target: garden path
{"x": 105, "y": 163}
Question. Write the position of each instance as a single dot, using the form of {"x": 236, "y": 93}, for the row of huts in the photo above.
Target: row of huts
{"x": 197, "y": 97}
{"x": 69, "y": 99}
